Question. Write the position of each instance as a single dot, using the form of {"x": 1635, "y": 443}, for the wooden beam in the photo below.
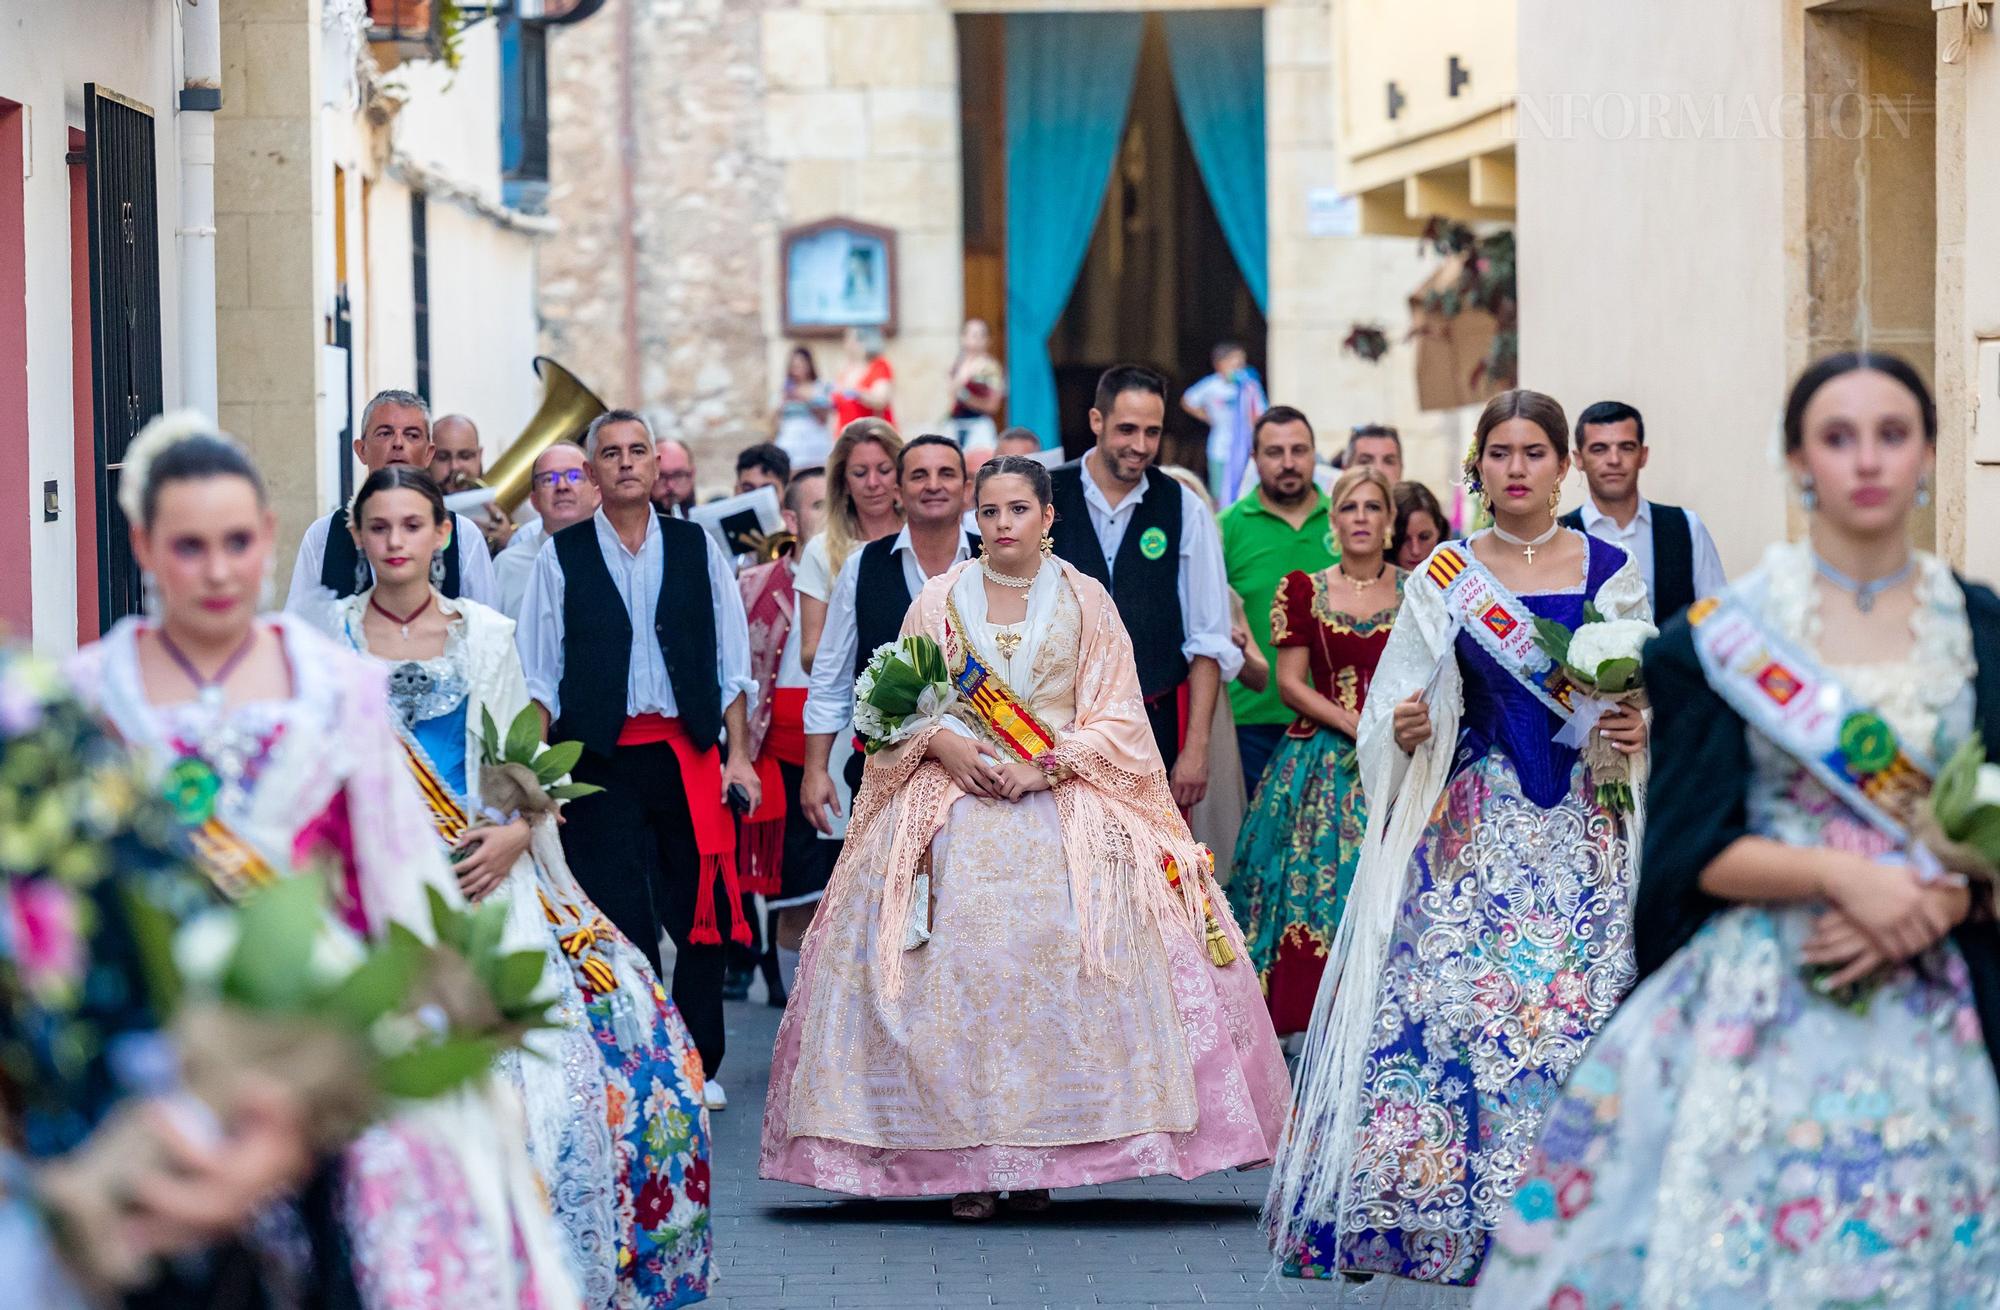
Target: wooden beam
{"x": 1446, "y": 192}
{"x": 1493, "y": 180}
{"x": 1382, "y": 214}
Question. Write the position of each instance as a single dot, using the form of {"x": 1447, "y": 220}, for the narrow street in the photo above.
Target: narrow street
{"x": 1157, "y": 1242}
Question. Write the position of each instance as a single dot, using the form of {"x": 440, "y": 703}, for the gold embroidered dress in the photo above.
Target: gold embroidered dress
{"x": 1063, "y": 1023}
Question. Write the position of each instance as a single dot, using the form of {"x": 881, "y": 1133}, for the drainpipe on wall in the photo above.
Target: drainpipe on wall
{"x": 201, "y": 96}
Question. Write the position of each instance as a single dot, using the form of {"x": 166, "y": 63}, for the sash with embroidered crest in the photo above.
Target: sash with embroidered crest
{"x": 192, "y": 790}
{"x": 582, "y": 931}
{"x": 448, "y": 813}
{"x": 231, "y": 863}
{"x": 1502, "y": 624}
{"x": 1013, "y": 726}
{"x": 1784, "y": 693}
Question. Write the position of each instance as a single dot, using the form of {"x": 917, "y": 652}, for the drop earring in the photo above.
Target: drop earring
{"x": 1048, "y": 545}
{"x": 437, "y": 567}
{"x": 1924, "y": 491}
{"x": 1555, "y": 499}
{"x": 1808, "y": 495}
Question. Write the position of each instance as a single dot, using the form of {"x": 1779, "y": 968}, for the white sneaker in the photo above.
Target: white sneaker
{"x": 713, "y": 1096}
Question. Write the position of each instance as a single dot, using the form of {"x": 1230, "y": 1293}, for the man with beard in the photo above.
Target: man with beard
{"x": 673, "y": 490}
{"x": 1283, "y": 525}
{"x": 457, "y": 464}
{"x": 560, "y": 489}
{"x": 1153, "y": 545}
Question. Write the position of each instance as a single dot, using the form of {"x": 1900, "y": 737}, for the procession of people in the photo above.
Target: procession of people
{"x": 1573, "y": 924}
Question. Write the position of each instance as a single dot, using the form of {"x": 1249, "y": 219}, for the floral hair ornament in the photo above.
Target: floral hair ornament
{"x": 155, "y": 439}
{"x": 1471, "y": 468}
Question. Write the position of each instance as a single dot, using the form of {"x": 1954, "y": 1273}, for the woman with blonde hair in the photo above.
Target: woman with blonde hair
{"x": 1302, "y": 835}
{"x": 861, "y": 505}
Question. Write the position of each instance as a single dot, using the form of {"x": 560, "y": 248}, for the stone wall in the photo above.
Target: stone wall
{"x": 653, "y": 290}
{"x": 266, "y": 216}
{"x": 755, "y": 115}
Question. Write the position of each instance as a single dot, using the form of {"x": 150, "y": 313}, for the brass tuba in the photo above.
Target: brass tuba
{"x": 568, "y": 406}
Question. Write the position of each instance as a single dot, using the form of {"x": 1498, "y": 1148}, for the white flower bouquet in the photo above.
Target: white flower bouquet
{"x": 904, "y": 688}
{"x": 1603, "y": 658}
{"x": 1961, "y": 827}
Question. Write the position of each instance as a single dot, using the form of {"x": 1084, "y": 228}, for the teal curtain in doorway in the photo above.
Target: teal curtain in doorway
{"x": 1218, "y": 60}
{"x": 1069, "y": 81}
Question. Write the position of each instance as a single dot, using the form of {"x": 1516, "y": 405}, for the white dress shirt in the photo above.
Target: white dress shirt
{"x": 830, "y": 702}
{"x": 475, "y": 566}
{"x": 1203, "y": 581}
{"x": 1637, "y": 539}
{"x": 515, "y": 562}
{"x": 648, "y": 689}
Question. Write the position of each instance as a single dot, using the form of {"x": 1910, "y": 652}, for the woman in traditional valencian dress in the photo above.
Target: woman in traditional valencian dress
{"x": 1797, "y": 1106}
{"x": 1487, "y": 934}
{"x": 1004, "y": 990}
{"x": 613, "y": 1094}
{"x": 1303, "y": 833}
{"x": 277, "y": 751}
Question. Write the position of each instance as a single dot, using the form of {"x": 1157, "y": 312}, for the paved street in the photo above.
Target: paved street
{"x": 1157, "y": 1242}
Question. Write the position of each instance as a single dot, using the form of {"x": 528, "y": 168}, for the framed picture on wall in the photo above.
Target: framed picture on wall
{"x": 836, "y": 274}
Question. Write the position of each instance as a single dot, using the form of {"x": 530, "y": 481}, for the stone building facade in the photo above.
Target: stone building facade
{"x": 689, "y": 133}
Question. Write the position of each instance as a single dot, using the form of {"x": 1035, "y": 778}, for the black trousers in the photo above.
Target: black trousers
{"x": 1164, "y": 713}
{"x": 631, "y": 846}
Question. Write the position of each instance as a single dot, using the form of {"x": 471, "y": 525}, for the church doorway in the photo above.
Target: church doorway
{"x": 1157, "y": 278}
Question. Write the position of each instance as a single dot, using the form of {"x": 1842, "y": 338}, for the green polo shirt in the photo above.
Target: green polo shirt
{"x": 1258, "y": 550}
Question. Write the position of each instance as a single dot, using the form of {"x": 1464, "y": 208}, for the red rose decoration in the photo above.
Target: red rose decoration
{"x": 654, "y": 1202}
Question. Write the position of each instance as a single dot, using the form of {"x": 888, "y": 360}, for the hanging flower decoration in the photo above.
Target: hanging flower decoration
{"x": 1367, "y": 341}
{"x": 1485, "y": 283}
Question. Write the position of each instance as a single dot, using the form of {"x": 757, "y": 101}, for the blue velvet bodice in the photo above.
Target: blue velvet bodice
{"x": 443, "y": 739}
{"x": 1501, "y": 714}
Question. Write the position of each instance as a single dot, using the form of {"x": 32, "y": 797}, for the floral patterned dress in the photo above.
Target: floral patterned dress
{"x": 439, "y": 1203}
{"x": 614, "y": 1092}
{"x": 1302, "y": 835}
{"x": 1736, "y": 1138}
{"x": 1509, "y": 948}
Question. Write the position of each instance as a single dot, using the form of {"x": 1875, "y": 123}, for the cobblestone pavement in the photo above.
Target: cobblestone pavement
{"x": 1158, "y": 1242}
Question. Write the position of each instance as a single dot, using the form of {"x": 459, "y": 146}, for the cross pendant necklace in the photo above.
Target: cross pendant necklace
{"x": 1527, "y": 545}
{"x": 401, "y": 620}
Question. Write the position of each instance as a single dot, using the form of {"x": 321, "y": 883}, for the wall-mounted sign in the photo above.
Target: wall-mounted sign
{"x": 836, "y": 274}
{"x": 1331, "y": 214}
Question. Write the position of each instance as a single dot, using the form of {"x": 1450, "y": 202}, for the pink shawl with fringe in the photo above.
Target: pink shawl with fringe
{"x": 1119, "y": 821}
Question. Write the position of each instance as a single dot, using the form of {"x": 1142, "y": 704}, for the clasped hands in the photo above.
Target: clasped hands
{"x": 1878, "y": 916}
{"x": 978, "y": 774}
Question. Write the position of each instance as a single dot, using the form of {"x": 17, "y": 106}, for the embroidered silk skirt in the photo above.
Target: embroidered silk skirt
{"x": 1293, "y": 866}
{"x": 1734, "y": 1138}
{"x": 1003, "y": 1063}
{"x": 1511, "y": 948}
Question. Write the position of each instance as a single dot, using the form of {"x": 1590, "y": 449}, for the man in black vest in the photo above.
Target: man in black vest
{"x": 395, "y": 429}
{"x": 633, "y": 640}
{"x": 1671, "y": 546}
{"x": 870, "y": 598}
{"x": 1155, "y": 547}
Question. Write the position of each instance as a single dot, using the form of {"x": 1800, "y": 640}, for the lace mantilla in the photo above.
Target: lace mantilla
{"x": 1914, "y": 693}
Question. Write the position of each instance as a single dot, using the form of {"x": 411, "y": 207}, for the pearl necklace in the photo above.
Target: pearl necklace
{"x": 1864, "y": 593}
{"x": 1021, "y": 584}
{"x": 1527, "y": 546}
